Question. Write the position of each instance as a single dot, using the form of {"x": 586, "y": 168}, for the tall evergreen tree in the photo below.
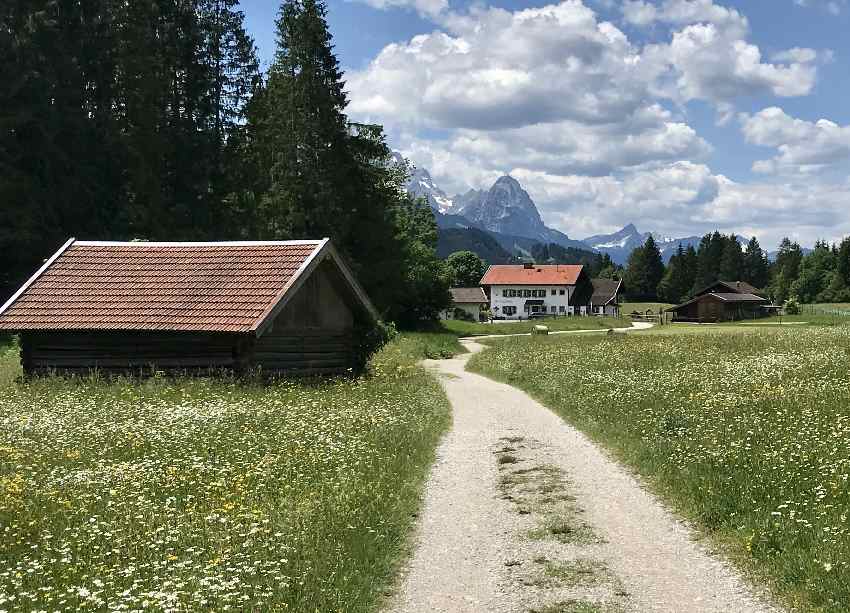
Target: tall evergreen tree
{"x": 709, "y": 256}
{"x": 679, "y": 276}
{"x": 114, "y": 121}
{"x": 731, "y": 260}
{"x": 311, "y": 165}
{"x": 316, "y": 174}
{"x": 756, "y": 266}
{"x": 644, "y": 271}
{"x": 785, "y": 270}
{"x": 815, "y": 274}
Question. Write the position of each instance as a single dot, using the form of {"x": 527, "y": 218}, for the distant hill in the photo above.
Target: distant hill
{"x": 475, "y": 240}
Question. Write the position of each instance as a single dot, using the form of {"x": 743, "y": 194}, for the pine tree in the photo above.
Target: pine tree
{"x": 709, "y": 256}
{"x": 843, "y": 261}
{"x": 678, "y": 278}
{"x": 815, "y": 274}
{"x": 644, "y": 271}
{"x": 756, "y": 266}
{"x": 785, "y": 270}
{"x": 60, "y": 165}
{"x": 732, "y": 260}
{"x": 311, "y": 165}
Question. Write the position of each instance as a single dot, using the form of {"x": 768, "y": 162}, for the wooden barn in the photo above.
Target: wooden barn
{"x": 722, "y": 301}
{"x": 290, "y": 307}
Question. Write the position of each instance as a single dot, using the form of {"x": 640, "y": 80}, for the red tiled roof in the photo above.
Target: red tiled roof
{"x": 552, "y": 274}
{"x": 209, "y": 287}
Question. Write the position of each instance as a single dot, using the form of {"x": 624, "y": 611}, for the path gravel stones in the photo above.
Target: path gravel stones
{"x": 522, "y": 513}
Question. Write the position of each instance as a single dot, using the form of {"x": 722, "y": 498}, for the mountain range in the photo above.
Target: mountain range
{"x": 620, "y": 244}
{"x": 501, "y": 222}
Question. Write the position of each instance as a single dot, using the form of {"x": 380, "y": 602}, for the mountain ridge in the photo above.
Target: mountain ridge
{"x": 508, "y": 214}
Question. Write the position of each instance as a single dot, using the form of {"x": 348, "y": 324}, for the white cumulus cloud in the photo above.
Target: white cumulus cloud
{"x": 803, "y": 146}
{"x": 426, "y": 8}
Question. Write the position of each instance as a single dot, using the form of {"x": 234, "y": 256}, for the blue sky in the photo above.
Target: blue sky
{"x": 681, "y": 116}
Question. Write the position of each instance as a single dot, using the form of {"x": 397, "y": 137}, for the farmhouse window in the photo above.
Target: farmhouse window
{"x": 526, "y": 293}
{"x": 561, "y": 309}
{"x": 563, "y": 292}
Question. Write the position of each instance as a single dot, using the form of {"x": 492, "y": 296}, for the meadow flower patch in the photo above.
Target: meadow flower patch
{"x": 211, "y": 494}
{"x": 747, "y": 432}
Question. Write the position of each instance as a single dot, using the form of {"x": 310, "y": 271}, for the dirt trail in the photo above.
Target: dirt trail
{"x": 523, "y": 513}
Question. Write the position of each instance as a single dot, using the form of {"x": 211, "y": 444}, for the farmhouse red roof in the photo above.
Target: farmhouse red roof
{"x": 210, "y": 287}
{"x": 551, "y": 274}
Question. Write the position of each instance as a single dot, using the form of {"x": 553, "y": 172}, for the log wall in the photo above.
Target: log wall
{"x": 120, "y": 351}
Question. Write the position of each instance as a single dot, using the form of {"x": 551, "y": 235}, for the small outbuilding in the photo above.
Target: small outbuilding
{"x": 467, "y": 303}
{"x": 722, "y": 301}
{"x": 606, "y": 297}
{"x": 290, "y": 307}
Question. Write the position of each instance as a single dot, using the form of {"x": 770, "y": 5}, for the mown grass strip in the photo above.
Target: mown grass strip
{"x": 747, "y": 432}
{"x": 555, "y": 324}
{"x": 208, "y": 494}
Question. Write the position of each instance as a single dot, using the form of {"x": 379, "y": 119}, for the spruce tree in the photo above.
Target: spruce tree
{"x": 815, "y": 274}
{"x": 786, "y": 269}
{"x": 644, "y": 271}
{"x": 756, "y": 266}
{"x": 678, "y": 278}
{"x": 311, "y": 166}
{"x": 732, "y": 260}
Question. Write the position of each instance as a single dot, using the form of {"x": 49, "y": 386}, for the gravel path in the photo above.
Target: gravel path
{"x": 523, "y": 513}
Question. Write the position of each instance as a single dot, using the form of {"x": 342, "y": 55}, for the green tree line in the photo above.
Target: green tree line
{"x": 823, "y": 275}
{"x": 153, "y": 120}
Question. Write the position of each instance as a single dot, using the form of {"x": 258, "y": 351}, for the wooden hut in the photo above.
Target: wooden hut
{"x": 279, "y": 307}
{"x": 722, "y": 301}
{"x": 606, "y": 297}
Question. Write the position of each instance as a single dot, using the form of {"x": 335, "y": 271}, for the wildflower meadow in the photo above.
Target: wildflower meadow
{"x": 746, "y": 431}
{"x": 205, "y": 494}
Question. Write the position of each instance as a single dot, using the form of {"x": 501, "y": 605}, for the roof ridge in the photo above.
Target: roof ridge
{"x": 315, "y": 241}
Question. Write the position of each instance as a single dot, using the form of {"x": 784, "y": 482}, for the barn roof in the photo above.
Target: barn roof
{"x": 202, "y": 287}
{"x": 734, "y": 287}
{"x": 730, "y": 298}
{"x": 604, "y": 291}
{"x": 519, "y": 274}
{"x": 468, "y": 295}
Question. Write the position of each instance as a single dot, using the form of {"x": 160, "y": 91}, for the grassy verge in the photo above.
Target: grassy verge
{"x": 213, "y": 494}
{"x": 642, "y": 307}
{"x": 430, "y": 345}
{"x": 555, "y": 324}
{"x": 745, "y": 431}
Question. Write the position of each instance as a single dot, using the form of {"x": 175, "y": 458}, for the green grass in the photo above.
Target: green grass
{"x": 627, "y": 308}
{"x": 430, "y": 345}
{"x": 744, "y": 430}
{"x": 555, "y": 324}
{"x": 212, "y": 494}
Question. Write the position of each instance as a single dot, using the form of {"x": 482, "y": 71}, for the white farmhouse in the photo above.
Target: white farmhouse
{"x": 519, "y": 291}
